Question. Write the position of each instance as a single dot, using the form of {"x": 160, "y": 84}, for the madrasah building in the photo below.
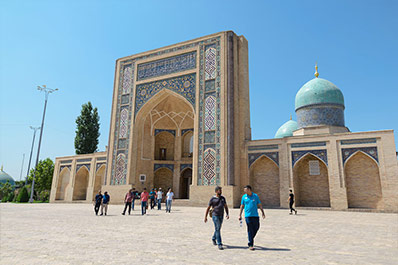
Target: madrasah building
{"x": 181, "y": 118}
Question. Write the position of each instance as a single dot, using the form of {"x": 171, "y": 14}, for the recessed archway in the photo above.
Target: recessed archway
{"x": 98, "y": 180}
{"x": 362, "y": 182}
{"x": 164, "y": 146}
{"x": 63, "y": 181}
{"x": 187, "y": 144}
{"x": 311, "y": 188}
{"x": 185, "y": 182}
{"x": 163, "y": 178}
{"x": 264, "y": 178}
{"x": 81, "y": 183}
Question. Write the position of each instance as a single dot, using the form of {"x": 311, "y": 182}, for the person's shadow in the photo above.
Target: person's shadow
{"x": 257, "y": 248}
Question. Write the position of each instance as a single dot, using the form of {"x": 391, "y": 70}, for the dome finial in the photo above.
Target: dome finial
{"x": 316, "y": 70}
{"x": 290, "y": 116}
{"x": 1, "y": 167}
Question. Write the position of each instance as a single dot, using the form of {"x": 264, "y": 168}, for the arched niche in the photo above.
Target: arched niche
{"x": 187, "y": 144}
{"x": 311, "y": 190}
{"x": 164, "y": 146}
{"x": 98, "y": 180}
{"x": 362, "y": 180}
{"x": 81, "y": 184}
{"x": 163, "y": 178}
{"x": 264, "y": 179}
{"x": 63, "y": 182}
{"x": 185, "y": 182}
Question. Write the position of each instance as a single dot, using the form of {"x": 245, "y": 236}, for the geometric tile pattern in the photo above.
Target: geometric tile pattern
{"x": 274, "y": 156}
{"x": 98, "y": 165}
{"x": 127, "y": 79}
{"x": 185, "y": 131}
{"x": 210, "y": 65}
{"x": 183, "y": 85}
{"x": 209, "y": 168}
{"x": 119, "y": 178}
{"x": 83, "y": 165}
{"x": 263, "y": 147}
{"x": 124, "y": 115}
{"x": 157, "y": 131}
{"x": 169, "y": 166}
{"x": 62, "y": 167}
{"x": 371, "y": 151}
{"x": 184, "y": 166}
{"x": 210, "y": 137}
{"x": 313, "y": 116}
{"x": 321, "y": 154}
{"x": 311, "y": 144}
{"x": 210, "y": 113}
{"x": 359, "y": 141}
{"x": 166, "y": 66}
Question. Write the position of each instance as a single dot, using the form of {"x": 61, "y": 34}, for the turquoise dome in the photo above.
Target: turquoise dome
{"x": 4, "y": 177}
{"x": 319, "y": 91}
{"x": 286, "y": 129}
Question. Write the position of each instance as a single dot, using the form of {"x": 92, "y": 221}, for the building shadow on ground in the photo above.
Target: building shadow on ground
{"x": 257, "y": 248}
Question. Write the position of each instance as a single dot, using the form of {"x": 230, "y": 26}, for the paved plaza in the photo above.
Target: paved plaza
{"x": 72, "y": 234}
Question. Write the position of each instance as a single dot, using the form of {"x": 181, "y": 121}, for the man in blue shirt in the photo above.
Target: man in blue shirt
{"x": 250, "y": 203}
{"x": 105, "y": 201}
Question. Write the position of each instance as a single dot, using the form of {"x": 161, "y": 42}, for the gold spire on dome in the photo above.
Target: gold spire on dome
{"x": 290, "y": 117}
{"x": 1, "y": 167}
{"x": 316, "y": 70}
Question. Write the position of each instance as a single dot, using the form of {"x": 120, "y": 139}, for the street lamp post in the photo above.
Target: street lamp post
{"x": 47, "y": 91}
{"x": 31, "y": 151}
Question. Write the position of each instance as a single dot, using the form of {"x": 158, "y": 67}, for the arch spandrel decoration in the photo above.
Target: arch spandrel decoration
{"x": 157, "y": 131}
{"x": 348, "y": 152}
{"x": 82, "y": 165}
{"x": 185, "y": 166}
{"x": 159, "y": 166}
{"x": 66, "y": 166}
{"x": 321, "y": 154}
{"x": 98, "y": 165}
{"x": 274, "y": 156}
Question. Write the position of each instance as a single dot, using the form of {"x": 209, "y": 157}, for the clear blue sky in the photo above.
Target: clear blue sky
{"x": 73, "y": 45}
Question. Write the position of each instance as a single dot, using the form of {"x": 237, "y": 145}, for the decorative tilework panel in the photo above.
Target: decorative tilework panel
{"x": 210, "y": 85}
{"x": 66, "y": 161}
{"x": 184, "y": 166}
{"x": 321, "y": 154}
{"x": 210, "y": 137}
{"x": 184, "y": 131}
{"x": 82, "y": 165}
{"x": 66, "y": 166}
{"x": 312, "y": 116}
{"x": 209, "y": 167}
{"x": 124, "y": 115}
{"x": 101, "y": 158}
{"x": 210, "y": 63}
{"x": 274, "y": 156}
{"x": 359, "y": 141}
{"x": 125, "y": 99}
{"x": 127, "y": 79}
{"x": 98, "y": 165}
{"x": 158, "y": 166}
{"x": 311, "y": 144}
{"x": 157, "y": 131}
{"x": 263, "y": 147}
{"x": 166, "y": 66}
{"x": 210, "y": 113}
{"x": 183, "y": 85}
{"x": 122, "y": 144}
{"x": 84, "y": 160}
{"x": 371, "y": 151}
{"x": 120, "y": 175}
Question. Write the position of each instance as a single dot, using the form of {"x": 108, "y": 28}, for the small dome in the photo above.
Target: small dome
{"x": 286, "y": 129}
{"x": 4, "y": 177}
{"x": 319, "y": 91}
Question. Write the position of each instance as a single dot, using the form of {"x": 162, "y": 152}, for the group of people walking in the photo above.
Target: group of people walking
{"x": 101, "y": 200}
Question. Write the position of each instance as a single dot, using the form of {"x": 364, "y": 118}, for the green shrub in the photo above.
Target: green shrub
{"x": 44, "y": 196}
{"x": 23, "y": 195}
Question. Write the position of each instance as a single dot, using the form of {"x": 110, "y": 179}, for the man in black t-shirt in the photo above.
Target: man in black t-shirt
{"x": 218, "y": 204}
{"x": 291, "y": 202}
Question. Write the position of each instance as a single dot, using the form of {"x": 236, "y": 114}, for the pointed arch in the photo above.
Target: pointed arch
{"x": 63, "y": 182}
{"x": 311, "y": 190}
{"x": 264, "y": 178}
{"x": 364, "y": 153}
{"x": 81, "y": 184}
{"x": 263, "y": 155}
{"x": 362, "y": 180}
{"x": 163, "y": 178}
{"x": 98, "y": 179}
{"x": 310, "y": 154}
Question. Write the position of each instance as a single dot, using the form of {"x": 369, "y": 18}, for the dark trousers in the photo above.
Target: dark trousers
{"x": 159, "y": 204}
{"x": 153, "y": 202}
{"x": 143, "y": 208}
{"x": 132, "y": 204}
{"x": 291, "y": 206}
{"x": 97, "y": 207}
{"x": 253, "y": 224}
{"x": 127, "y": 204}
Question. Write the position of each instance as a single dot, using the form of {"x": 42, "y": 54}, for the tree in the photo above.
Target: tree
{"x": 44, "y": 175}
{"x": 87, "y": 131}
{"x": 6, "y": 191}
{"x": 23, "y": 195}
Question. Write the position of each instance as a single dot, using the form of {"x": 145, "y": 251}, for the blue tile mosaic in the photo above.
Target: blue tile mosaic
{"x": 98, "y": 165}
{"x": 82, "y": 165}
{"x": 311, "y": 144}
{"x": 184, "y": 166}
{"x": 348, "y": 152}
{"x": 274, "y": 156}
{"x": 263, "y": 147}
{"x": 210, "y": 137}
{"x": 158, "y": 166}
{"x": 184, "y": 131}
{"x": 321, "y": 154}
{"x": 157, "y": 131}
{"x": 359, "y": 141}
{"x": 314, "y": 116}
{"x": 66, "y": 166}
{"x": 166, "y": 66}
{"x": 66, "y": 161}
{"x": 183, "y": 85}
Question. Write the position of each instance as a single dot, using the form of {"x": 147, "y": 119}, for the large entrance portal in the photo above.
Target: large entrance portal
{"x": 185, "y": 182}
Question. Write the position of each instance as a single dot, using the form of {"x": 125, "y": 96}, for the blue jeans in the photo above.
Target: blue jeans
{"x": 253, "y": 224}
{"x": 143, "y": 208}
{"x": 132, "y": 204}
{"x": 217, "y": 220}
{"x": 168, "y": 205}
{"x": 159, "y": 204}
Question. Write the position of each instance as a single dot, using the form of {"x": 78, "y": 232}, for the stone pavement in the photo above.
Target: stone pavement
{"x": 72, "y": 234}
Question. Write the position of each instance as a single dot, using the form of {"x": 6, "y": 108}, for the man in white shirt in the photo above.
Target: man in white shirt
{"x": 169, "y": 199}
{"x": 159, "y": 196}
